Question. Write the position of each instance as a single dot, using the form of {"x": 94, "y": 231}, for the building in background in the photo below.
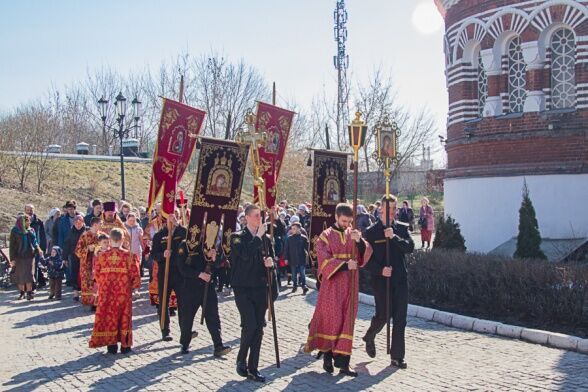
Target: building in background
{"x": 517, "y": 79}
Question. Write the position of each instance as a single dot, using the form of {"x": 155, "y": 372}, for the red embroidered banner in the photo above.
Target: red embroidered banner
{"x": 178, "y": 128}
{"x": 276, "y": 123}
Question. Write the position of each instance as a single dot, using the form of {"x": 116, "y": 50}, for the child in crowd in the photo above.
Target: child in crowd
{"x": 55, "y": 271}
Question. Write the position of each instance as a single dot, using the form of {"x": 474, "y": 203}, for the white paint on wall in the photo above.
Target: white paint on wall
{"x": 487, "y": 208}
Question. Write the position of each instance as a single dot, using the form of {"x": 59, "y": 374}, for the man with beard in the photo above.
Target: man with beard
{"x": 332, "y": 325}
{"x": 61, "y": 229}
{"x": 160, "y": 253}
{"x": 39, "y": 227}
{"x": 111, "y": 220}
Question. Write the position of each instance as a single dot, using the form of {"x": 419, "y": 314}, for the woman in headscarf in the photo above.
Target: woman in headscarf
{"x": 23, "y": 248}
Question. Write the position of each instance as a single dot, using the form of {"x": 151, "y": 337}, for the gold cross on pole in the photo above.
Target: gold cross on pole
{"x": 255, "y": 140}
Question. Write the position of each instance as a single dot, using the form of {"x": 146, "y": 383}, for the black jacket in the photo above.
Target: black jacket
{"x": 39, "y": 227}
{"x": 159, "y": 245}
{"x": 400, "y": 245}
{"x": 71, "y": 241}
{"x": 406, "y": 216}
{"x": 247, "y": 269}
{"x": 190, "y": 265}
{"x": 296, "y": 250}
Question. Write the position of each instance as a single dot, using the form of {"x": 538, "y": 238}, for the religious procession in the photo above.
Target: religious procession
{"x": 195, "y": 251}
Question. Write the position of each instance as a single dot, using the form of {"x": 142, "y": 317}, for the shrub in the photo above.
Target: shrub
{"x": 529, "y": 238}
{"x": 448, "y": 235}
{"x": 536, "y": 293}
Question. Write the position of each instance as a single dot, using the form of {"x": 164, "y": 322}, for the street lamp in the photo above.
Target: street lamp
{"x": 122, "y": 131}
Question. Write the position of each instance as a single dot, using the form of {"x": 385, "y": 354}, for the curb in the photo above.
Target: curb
{"x": 546, "y": 338}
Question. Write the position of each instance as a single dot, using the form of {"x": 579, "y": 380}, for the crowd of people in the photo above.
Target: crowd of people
{"x": 102, "y": 253}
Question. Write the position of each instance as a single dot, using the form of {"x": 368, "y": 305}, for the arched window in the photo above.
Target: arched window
{"x": 563, "y": 69}
{"x": 517, "y": 92}
{"x": 482, "y": 86}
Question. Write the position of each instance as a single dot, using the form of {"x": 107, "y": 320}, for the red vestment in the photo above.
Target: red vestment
{"x": 87, "y": 239}
{"x": 154, "y": 294}
{"x": 331, "y": 328}
{"x": 116, "y": 275}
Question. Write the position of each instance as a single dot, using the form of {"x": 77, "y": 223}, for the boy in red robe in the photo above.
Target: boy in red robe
{"x": 331, "y": 328}
{"x": 116, "y": 274}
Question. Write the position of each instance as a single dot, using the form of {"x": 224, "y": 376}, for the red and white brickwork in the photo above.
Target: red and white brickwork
{"x": 517, "y": 80}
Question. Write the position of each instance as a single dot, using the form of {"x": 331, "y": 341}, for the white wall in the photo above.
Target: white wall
{"x": 487, "y": 208}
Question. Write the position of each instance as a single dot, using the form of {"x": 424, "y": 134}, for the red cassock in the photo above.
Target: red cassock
{"x": 86, "y": 257}
{"x": 331, "y": 328}
{"x": 117, "y": 275}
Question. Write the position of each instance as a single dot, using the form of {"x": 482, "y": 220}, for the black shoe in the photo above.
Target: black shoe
{"x": 184, "y": 349}
{"x": 328, "y": 363}
{"x": 125, "y": 350}
{"x": 194, "y": 334}
{"x": 76, "y": 299}
{"x": 328, "y": 368}
{"x": 30, "y": 295}
{"x": 242, "y": 368}
{"x": 166, "y": 338}
{"x": 347, "y": 372}
{"x": 112, "y": 349}
{"x": 22, "y": 294}
{"x": 370, "y": 347}
{"x": 51, "y": 296}
{"x": 222, "y": 351}
{"x": 399, "y": 363}
{"x": 304, "y": 290}
{"x": 255, "y": 376}
{"x": 294, "y": 289}
{"x": 93, "y": 309}
{"x": 172, "y": 312}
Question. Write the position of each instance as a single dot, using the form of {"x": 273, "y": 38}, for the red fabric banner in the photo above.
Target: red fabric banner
{"x": 178, "y": 128}
{"x": 276, "y": 123}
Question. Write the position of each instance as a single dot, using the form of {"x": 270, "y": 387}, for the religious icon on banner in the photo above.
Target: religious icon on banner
{"x": 273, "y": 145}
{"x": 331, "y": 188}
{"x": 176, "y": 142}
{"x": 221, "y": 178}
{"x": 387, "y": 144}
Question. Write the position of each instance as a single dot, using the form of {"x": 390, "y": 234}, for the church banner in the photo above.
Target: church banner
{"x": 178, "y": 128}
{"x": 276, "y": 123}
{"x": 329, "y": 176}
{"x": 213, "y": 218}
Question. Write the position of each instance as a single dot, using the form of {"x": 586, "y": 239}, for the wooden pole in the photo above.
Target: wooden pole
{"x": 163, "y": 301}
{"x": 274, "y": 94}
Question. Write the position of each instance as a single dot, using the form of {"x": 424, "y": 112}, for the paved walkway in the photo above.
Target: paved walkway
{"x": 45, "y": 347}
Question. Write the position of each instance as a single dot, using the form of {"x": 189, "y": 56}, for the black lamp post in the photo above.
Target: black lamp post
{"x": 122, "y": 131}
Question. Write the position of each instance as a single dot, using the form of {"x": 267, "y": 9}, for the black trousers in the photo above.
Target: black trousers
{"x": 398, "y": 311}
{"x": 192, "y": 298}
{"x": 252, "y": 304}
{"x": 174, "y": 283}
{"x": 75, "y": 273}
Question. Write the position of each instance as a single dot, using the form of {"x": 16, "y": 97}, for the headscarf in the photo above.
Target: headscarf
{"x": 21, "y": 230}
{"x": 52, "y": 212}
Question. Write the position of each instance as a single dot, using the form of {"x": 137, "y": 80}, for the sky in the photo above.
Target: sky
{"x": 55, "y": 42}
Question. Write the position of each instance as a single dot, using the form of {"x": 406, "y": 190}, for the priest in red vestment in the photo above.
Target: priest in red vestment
{"x": 331, "y": 328}
{"x": 117, "y": 275}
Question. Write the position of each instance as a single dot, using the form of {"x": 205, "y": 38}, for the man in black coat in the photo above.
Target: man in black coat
{"x": 251, "y": 254}
{"x": 159, "y": 252}
{"x": 295, "y": 255}
{"x": 400, "y": 244}
{"x": 196, "y": 272}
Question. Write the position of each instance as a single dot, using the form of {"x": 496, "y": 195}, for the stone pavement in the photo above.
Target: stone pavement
{"x": 44, "y": 346}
